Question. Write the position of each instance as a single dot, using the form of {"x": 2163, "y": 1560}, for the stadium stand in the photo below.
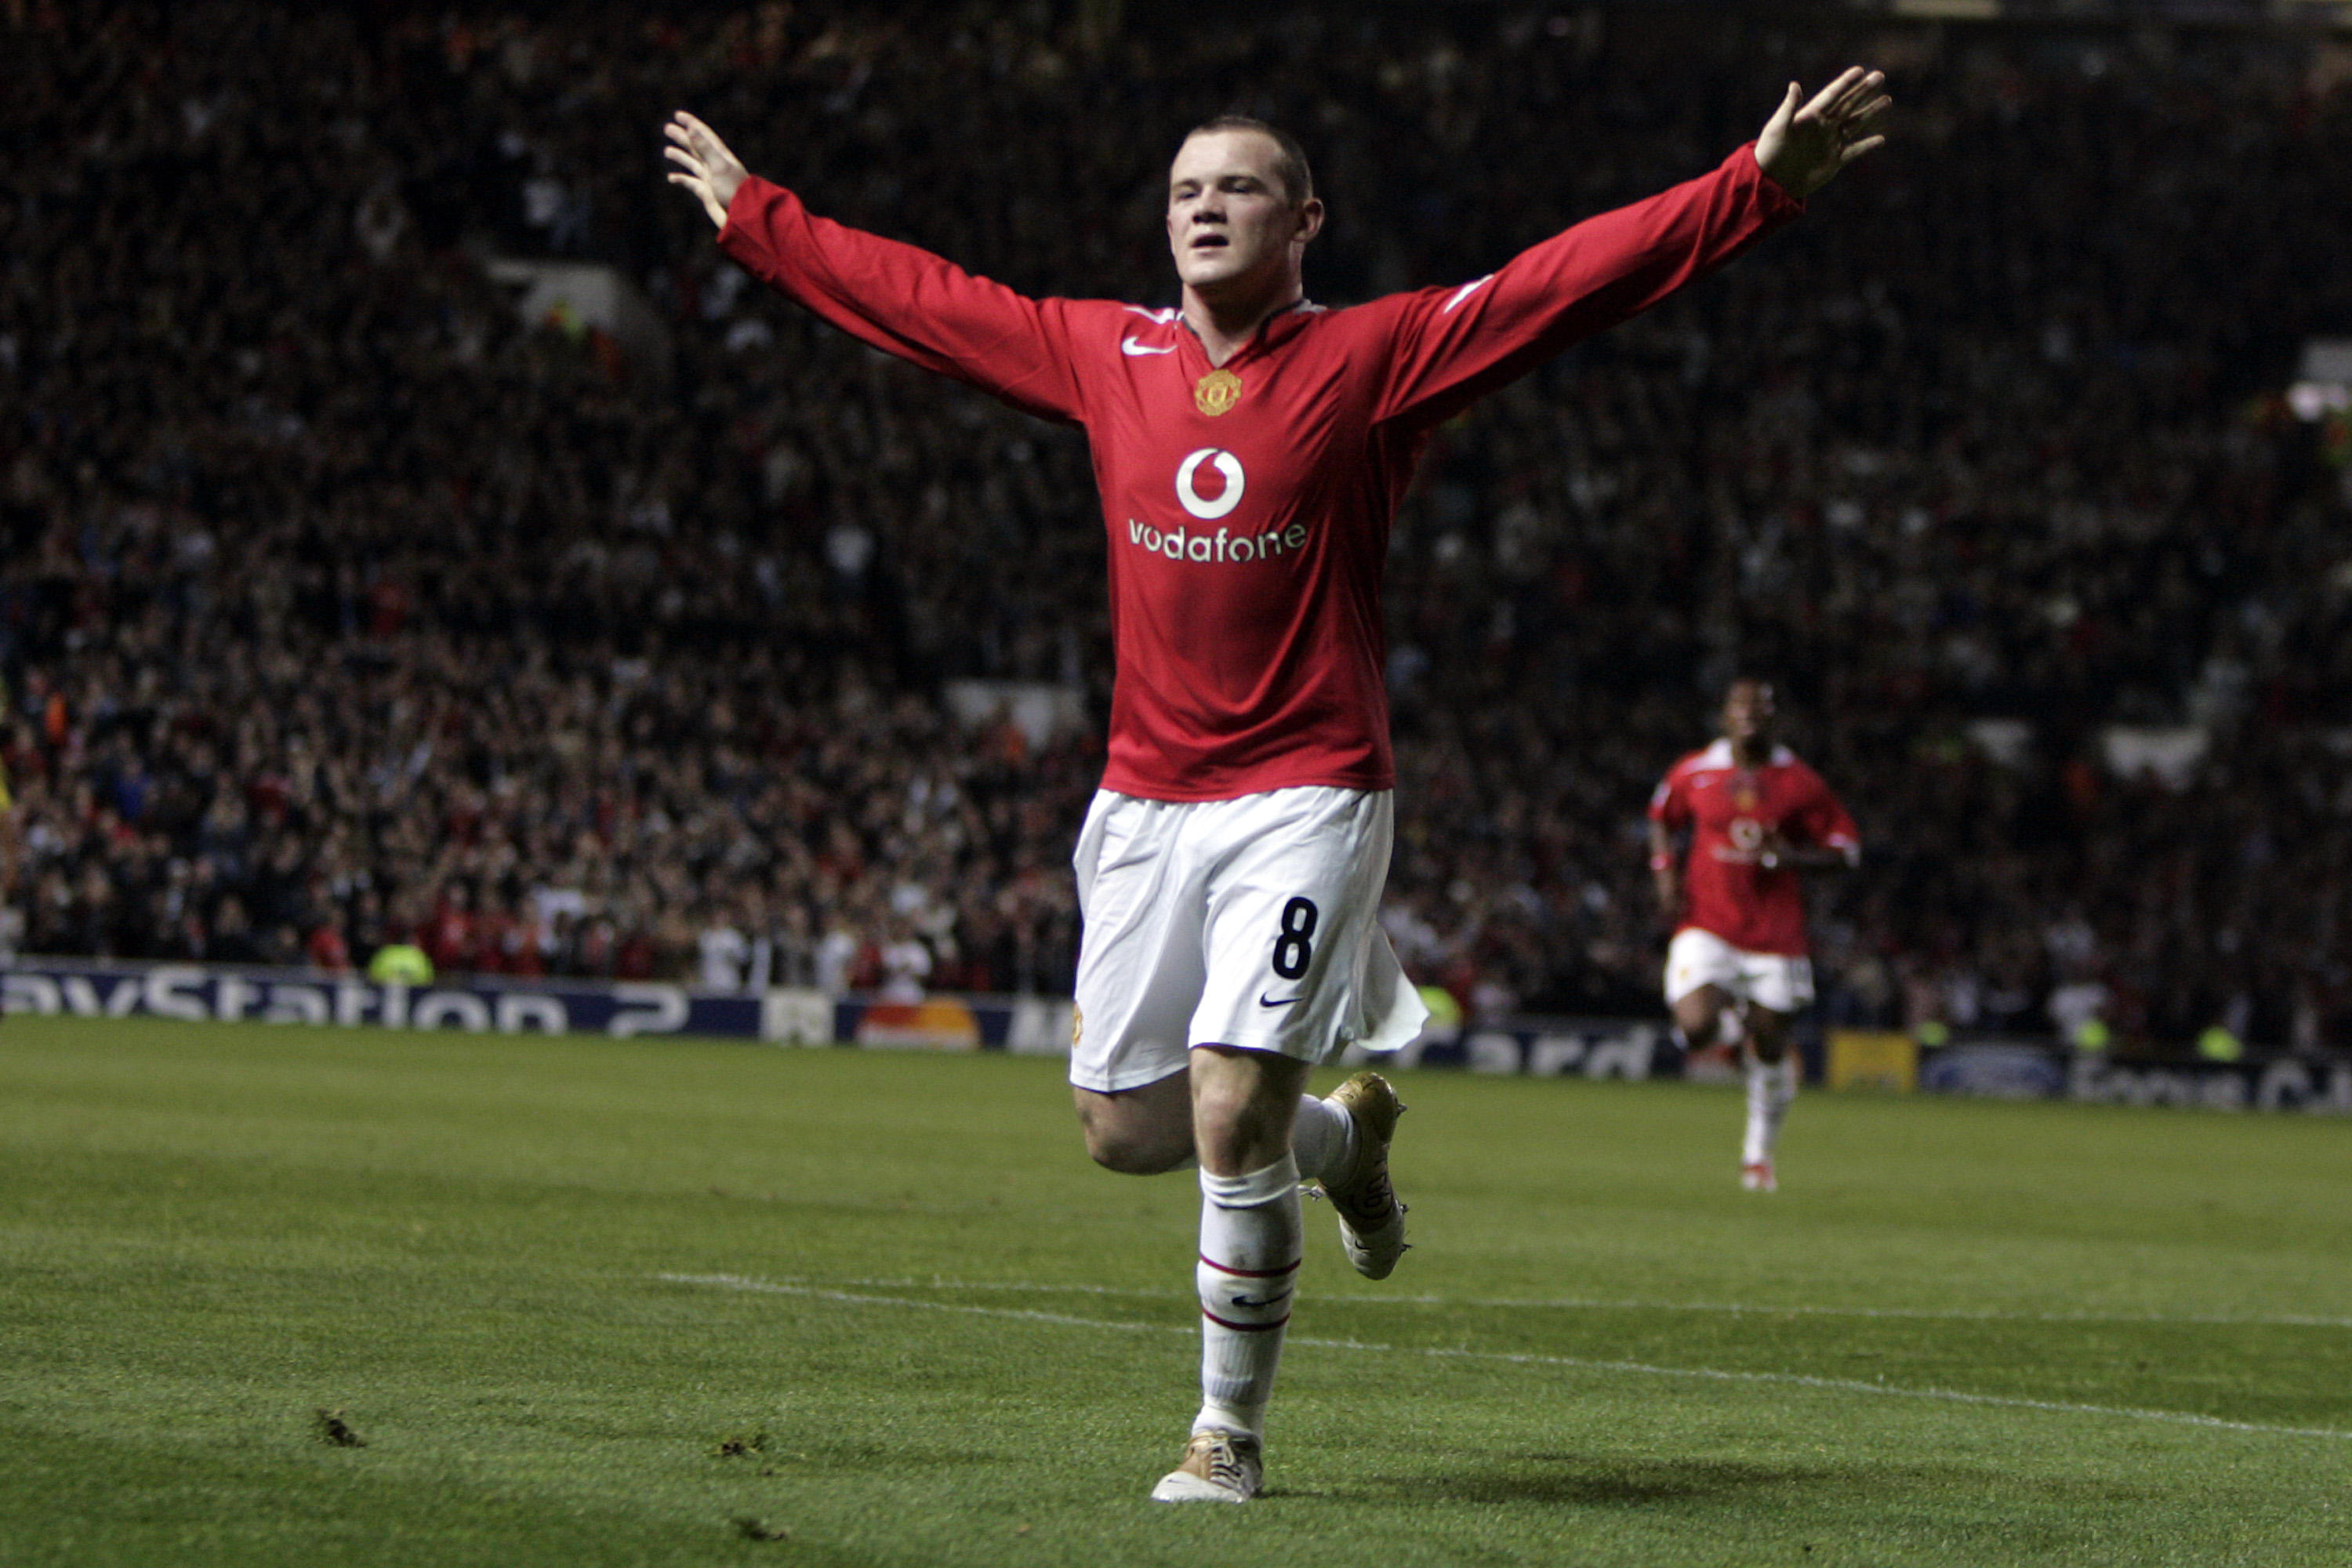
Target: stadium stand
{"x": 341, "y": 603}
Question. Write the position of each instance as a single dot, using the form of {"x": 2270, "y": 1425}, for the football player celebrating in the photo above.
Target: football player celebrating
{"x": 1251, "y": 447}
{"x": 1737, "y": 969}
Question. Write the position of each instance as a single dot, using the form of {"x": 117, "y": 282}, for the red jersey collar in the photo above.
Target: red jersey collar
{"x": 1270, "y": 333}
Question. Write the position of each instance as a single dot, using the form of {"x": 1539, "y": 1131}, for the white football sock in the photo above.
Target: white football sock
{"x": 1770, "y": 1087}
{"x": 1323, "y": 1141}
{"x": 1248, "y": 1270}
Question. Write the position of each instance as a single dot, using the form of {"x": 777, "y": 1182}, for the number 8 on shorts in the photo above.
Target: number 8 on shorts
{"x": 1292, "y": 949}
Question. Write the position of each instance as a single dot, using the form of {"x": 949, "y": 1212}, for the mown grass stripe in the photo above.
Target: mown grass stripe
{"x": 1521, "y": 1358}
{"x": 1598, "y": 1304}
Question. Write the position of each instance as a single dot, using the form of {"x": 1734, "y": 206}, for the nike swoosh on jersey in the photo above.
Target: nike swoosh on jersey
{"x": 1129, "y": 346}
{"x": 1265, "y": 1001}
{"x": 1464, "y": 292}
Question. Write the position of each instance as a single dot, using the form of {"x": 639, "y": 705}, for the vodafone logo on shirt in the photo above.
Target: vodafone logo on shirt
{"x": 1230, "y": 483}
{"x": 1229, "y": 469}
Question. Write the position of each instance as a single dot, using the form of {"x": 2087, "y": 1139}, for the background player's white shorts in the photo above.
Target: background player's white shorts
{"x": 1250, "y": 923}
{"x": 1773, "y": 980}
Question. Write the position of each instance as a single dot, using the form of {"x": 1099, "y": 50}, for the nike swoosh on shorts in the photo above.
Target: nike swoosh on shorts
{"x": 1265, "y": 1001}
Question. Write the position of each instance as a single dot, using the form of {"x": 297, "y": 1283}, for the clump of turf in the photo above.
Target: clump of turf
{"x": 739, "y": 1445}
{"x": 751, "y": 1529}
{"x": 333, "y": 1430}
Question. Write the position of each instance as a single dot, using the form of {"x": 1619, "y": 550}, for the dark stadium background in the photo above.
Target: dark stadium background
{"x": 342, "y": 600}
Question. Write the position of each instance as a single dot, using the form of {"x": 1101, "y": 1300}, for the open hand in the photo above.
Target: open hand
{"x": 1801, "y": 149}
{"x": 705, "y": 166}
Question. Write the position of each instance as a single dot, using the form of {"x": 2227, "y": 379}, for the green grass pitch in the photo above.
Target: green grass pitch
{"x": 583, "y": 1303}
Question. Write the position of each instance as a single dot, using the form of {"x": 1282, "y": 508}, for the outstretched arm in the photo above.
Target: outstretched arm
{"x": 1801, "y": 149}
{"x": 706, "y": 166}
{"x": 1454, "y": 344}
{"x": 900, "y": 299}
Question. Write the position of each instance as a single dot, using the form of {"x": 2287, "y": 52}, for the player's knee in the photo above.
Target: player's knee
{"x": 1220, "y": 1109}
{"x": 1695, "y": 1016}
{"x": 1133, "y": 1152}
{"x": 1232, "y": 1117}
{"x": 1240, "y": 1134}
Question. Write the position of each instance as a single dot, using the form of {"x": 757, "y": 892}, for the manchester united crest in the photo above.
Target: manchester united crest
{"x": 1216, "y": 392}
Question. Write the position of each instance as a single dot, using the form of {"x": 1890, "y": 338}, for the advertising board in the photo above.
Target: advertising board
{"x": 1033, "y": 1025}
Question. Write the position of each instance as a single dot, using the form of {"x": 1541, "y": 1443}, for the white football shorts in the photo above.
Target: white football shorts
{"x": 1250, "y": 923}
{"x": 1773, "y": 980}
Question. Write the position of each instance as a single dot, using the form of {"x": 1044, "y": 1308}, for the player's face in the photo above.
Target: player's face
{"x": 1747, "y": 711}
{"x": 1231, "y": 226}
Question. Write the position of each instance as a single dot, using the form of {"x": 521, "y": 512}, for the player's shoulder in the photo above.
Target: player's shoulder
{"x": 1713, "y": 758}
{"x": 1430, "y": 300}
{"x": 1690, "y": 774}
{"x": 1795, "y": 769}
{"x": 1108, "y": 320}
{"x": 1380, "y": 326}
{"x": 1144, "y": 321}
{"x": 1120, "y": 330}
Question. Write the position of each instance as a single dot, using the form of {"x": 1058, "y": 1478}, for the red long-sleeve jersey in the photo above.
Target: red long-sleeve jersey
{"x": 1249, "y": 505}
{"x": 1731, "y": 811}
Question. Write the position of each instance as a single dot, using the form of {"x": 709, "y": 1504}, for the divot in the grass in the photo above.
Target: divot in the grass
{"x": 333, "y": 1430}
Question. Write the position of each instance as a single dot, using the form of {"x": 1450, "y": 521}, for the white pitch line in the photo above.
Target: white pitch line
{"x": 817, "y": 1293}
{"x": 1941, "y": 1314}
{"x": 1596, "y": 1304}
{"x": 1519, "y": 1358}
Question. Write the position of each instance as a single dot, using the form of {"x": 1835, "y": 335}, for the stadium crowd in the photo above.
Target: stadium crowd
{"x": 340, "y": 605}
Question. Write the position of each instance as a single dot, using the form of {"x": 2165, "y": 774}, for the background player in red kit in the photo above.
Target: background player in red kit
{"x": 1250, "y": 448}
{"x": 1737, "y": 967}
